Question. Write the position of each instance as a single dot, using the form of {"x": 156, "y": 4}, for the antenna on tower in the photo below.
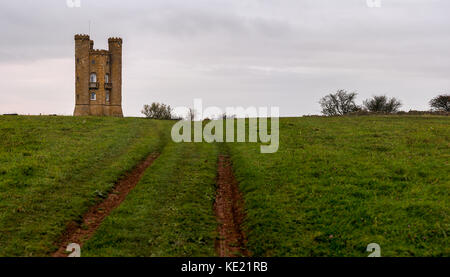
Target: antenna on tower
{"x": 89, "y": 28}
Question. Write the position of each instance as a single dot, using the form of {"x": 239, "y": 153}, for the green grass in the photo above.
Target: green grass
{"x": 53, "y": 168}
{"x": 338, "y": 184}
{"x": 334, "y": 186}
{"x": 170, "y": 211}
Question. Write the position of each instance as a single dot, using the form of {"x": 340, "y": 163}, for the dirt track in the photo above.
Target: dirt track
{"x": 229, "y": 209}
{"x": 96, "y": 214}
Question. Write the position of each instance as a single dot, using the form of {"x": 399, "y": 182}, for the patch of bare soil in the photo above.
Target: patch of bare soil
{"x": 229, "y": 209}
{"x": 96, "y": 214}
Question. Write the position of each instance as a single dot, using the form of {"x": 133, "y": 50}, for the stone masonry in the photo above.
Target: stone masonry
{"x": 98, "y": 78}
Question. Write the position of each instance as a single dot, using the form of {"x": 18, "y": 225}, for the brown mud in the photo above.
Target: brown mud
{"x": 230, "y": 213}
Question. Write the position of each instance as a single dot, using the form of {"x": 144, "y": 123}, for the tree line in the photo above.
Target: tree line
{"x": 343, "y": 102}
{"x": 333, "y": 104}
{"x": 163, "y": 111}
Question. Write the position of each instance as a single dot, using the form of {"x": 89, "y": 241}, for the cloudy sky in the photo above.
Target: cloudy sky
{"x": 228, "y": 52}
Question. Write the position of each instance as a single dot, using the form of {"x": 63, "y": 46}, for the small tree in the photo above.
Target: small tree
{"x": 339, "y": 103}
{"x": 191, "y": 114}
{"x": 157, "y": 111}
{"x": 382, "y": 104}
{"x": 441, "y": 103}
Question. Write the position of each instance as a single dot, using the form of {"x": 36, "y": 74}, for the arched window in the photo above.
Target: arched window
{"x": 93, "y": 96}
{"x": 107, "y": 78}
{"x": 107, "y": 96}
{"x": 93, "y": 78}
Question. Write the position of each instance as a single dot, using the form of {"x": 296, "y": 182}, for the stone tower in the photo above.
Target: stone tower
{"x": 98, "y": 78}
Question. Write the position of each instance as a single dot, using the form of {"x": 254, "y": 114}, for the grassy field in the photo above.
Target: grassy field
{"x": 334, "y": 186}
{"x": 53, "y": 168}
{"x": 338, "y": 184}
{"x": 169, "y": 214}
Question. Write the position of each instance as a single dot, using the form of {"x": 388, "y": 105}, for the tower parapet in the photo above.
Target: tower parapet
{"x": 99, "y": 52}
{"x": 81, "y": 37}
{"x": 114, "y": 39}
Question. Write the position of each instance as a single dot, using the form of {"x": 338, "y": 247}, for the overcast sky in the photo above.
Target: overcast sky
{"x": 285, "y": 53}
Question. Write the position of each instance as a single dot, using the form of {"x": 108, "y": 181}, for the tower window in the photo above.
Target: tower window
{"x": 78, "y": 60}
{"x": 107, "y": 96}
{"x": 93, "y": 78}
{"x": 93, "y": 96}
{"x": 107, "y": 78}
{"x": 93, "y": 61}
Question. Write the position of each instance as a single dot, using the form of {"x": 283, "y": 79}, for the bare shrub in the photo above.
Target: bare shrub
{"x": 382, "y": 104}
{"x": 339, "y": 103}
{"x": 441, "y": 103}
{"x": 157, "y": 111}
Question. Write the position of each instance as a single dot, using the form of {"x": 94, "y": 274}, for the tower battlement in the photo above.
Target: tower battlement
{"x": 98, "y": 78}
{"x": 114, "y": 39}
{"x": 81, "y": 37}
{"x": 99, "y": 52}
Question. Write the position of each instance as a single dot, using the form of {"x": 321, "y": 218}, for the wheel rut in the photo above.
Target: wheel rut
{"x": 230, "y": 213}
{"x": 76, "y": 233}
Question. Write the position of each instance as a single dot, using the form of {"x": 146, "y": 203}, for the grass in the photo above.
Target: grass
{"x": 335, "y": 185}
{"x": 169, "y": 213}
{"x": 53, "y": 168}
{"x": 338, "y": 184}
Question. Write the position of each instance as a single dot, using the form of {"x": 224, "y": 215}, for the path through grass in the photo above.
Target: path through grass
{"x": 169, "y": 213}
{"x": 53, "y": 168}
{"x": 334, "y": 186}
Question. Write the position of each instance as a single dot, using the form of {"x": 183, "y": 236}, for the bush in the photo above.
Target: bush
{"x": 340, "y": 103}
{"x": 157, "y": 111}
{"x": 441, "y": 103}
{"x": 382, "y": 104}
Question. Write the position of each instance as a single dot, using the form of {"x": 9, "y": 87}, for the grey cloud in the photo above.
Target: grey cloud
{"x": 287, "y": 52}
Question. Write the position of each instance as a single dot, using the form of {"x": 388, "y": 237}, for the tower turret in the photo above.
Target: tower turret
{"x": 82, "y": 47}
{"x": 115, "y": 50}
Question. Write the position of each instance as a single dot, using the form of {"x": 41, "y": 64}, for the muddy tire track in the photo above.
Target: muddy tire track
{"x": 230, "y": 213}
{"x": 76, "y": 233}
